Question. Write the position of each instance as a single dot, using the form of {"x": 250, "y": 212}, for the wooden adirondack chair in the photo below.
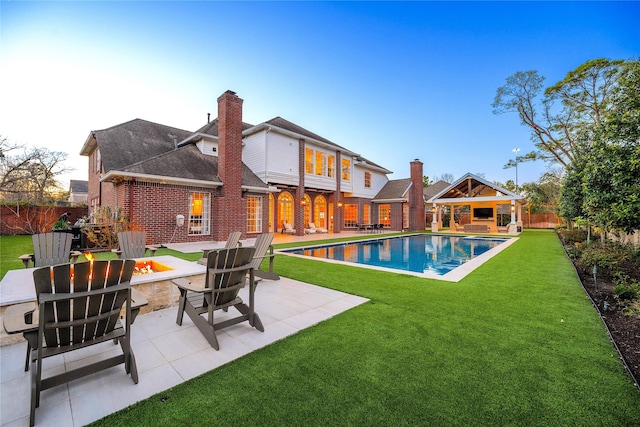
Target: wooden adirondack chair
{"x": 133, "y": 244}
{"x": 264, "y": 249}
{"x": 78, "y": 308}
{"x": 227, "y": 271}
{"x": 233, "y": 241}
{"x": 50, "y": 249}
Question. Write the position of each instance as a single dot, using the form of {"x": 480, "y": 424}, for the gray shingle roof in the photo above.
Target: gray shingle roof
{"x": 131, "y": 142}
{"x": 149, "y": 148}
{"x": 77, "y": 186}
{"x": 291, "y": 127}
{"x": 434, "y": 189}
{"x": 211, "y": 128}
{"x": 394, "y": 189}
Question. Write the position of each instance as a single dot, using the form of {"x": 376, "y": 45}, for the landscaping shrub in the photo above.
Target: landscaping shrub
{"x": 627, "y": 294}
{"x": 571, "y": 237}
{"x": 106, "y": 223}
{"x": 610, "y": 257}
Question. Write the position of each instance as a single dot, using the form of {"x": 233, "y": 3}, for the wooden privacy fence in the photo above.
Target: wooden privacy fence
{"x": 534, "y": 220}
{"x": 540, "y": 220}
{"x": 31, "y": 219}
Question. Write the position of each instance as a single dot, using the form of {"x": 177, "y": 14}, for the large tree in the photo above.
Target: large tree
{"x": 611, "y": 176}
{"x": 543, "y": 196}
{"x": 29, "y": 174}
{"x": 558, "y": 114}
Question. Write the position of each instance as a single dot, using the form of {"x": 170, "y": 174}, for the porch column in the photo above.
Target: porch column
{"x": 434, "y": 218}
{"x": 298, "y": 209}
{"x": 337, "y": 196}
{"x": 452, "y": 220}
{"x": 513, "y": 212}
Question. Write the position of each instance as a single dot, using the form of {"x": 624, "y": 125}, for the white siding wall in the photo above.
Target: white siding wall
{"x": 254, "y": 154}
{"x": 378, "y": 180}
{"x": 208, "y": 147}
{"x": 274, "y": 158}
{"x": 282, "y": 159}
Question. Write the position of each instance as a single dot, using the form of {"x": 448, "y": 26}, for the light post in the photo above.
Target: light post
{"x": 515, "y": 150}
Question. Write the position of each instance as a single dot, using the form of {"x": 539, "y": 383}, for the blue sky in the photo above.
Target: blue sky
{"x": 390, "y": 81}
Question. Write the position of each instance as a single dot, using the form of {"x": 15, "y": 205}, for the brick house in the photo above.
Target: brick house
{"x": 183, "y": 186}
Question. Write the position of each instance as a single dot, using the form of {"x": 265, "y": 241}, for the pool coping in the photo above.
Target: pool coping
{"x": 454, "y": 275}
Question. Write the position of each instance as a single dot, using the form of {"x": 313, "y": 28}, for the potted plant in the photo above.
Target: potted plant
{"x": 60, "y": 225}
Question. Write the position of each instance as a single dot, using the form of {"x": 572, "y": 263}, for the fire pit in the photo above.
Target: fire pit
{"x": 152, "y": 277}
{"x": 149, "y": 267}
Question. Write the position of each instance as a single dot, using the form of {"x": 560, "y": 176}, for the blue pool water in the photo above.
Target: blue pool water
{"x": 421, "y": 253}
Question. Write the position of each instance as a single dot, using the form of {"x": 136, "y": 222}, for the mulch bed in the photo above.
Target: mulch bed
{"x": 625, "y": 330}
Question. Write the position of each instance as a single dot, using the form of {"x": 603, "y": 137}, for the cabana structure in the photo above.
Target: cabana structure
{"x": 492, "y": 209}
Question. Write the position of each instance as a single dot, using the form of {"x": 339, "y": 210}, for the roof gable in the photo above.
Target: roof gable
{"x": 471, "y": 186}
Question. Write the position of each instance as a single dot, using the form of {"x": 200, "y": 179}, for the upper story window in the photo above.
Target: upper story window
{"x": 346, "y": 170}
{"x": 321, "y": 163}
{"x": 308, "y": 160}
{"x": 367, "y": 179}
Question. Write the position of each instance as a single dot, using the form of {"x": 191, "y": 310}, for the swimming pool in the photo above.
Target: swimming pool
{"x": 427, "y": 255}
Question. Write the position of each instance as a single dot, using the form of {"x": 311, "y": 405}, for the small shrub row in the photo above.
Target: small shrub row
{"x": 627, "y": 294}
{"x": 571, "y": 237}
{"x": 610, "y": 258}
{"x": 618, "y": 263}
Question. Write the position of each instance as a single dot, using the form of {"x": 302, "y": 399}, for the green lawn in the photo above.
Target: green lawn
{"x": 514, "y": 343}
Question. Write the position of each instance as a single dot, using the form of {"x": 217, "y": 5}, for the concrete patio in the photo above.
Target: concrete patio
{"x": 166, "y": 355}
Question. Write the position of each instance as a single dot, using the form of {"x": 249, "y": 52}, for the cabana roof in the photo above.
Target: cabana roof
{"x": 472, "y": 188}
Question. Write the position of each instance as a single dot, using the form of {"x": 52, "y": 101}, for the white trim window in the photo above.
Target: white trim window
{"x": 346, "y": 170}
{"x": 199, "y": 213}
{"x": 331, "y": 166}
{"x": 254, "y": 214}
{"x": 367, "y": 179}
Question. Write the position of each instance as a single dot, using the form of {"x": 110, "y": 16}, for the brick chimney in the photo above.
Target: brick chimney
{"x": 417, "y": 216}
{"x": 230, "y": 209}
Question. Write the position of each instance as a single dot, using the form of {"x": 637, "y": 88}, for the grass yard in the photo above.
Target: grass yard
{"x": 516, "y": 342}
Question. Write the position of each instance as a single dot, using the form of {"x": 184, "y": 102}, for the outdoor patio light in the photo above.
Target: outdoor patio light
{"x": 513, "y": 208}
{"x": 339, "y": 204}
{"x": 433, "y": 209}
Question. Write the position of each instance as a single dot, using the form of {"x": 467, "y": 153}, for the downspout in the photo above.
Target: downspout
{"x": 131, "y": 194}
